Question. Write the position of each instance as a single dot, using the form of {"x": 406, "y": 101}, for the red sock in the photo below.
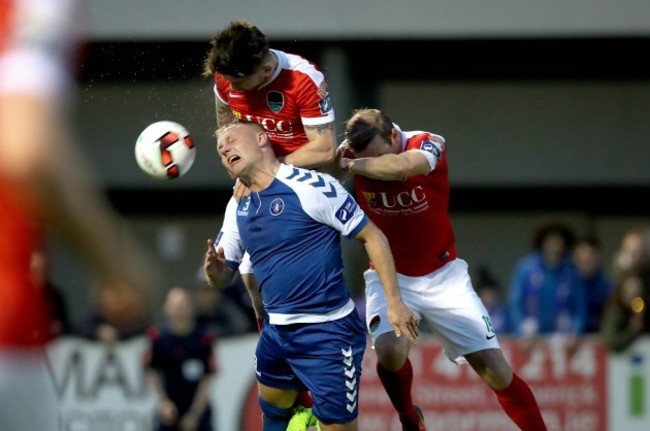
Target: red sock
{"x": 520, "y": 405}
{"x": 303, "y": 399}
{"x": 398, "y": 387}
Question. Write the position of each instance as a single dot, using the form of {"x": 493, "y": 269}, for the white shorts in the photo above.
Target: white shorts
{"x": 446, "y": 300}
{"x": 27, "y": 395}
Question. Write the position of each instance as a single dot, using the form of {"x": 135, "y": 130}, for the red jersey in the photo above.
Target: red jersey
{"x": 25, "y": 68}
{"x": 296, "y": 96}
{"x": 413, "y": 214}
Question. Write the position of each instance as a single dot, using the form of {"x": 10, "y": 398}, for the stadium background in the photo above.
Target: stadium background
{"x": 545, "y": 106}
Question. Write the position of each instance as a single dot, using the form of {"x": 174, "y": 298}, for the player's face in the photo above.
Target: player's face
{"x": 376, "y": 147}
{"x": 239, "y": 150}
{"x": 248, "y": 82}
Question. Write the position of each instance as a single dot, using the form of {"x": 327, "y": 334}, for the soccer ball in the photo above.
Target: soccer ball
{"x": 165, "y": 150}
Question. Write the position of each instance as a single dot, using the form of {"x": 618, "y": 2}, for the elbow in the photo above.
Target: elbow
{"x": 329, "y": 156}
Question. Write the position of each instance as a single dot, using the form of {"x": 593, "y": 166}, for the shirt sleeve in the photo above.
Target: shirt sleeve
{"x": 430, "y": 145}
{"x": 333, "y": 205}
{"x": 229, "y": 238}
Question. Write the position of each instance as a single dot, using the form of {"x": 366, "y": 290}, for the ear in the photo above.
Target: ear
{"x": 395, "y": 136}
{"x": 262, "y": 138}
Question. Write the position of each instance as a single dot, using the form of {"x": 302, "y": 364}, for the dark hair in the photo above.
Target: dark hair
{"x": 364, "y": 125}
{"x": 237, "y": 50}
{"x": 591, "y": 240}
{"x": 553, "y": 227}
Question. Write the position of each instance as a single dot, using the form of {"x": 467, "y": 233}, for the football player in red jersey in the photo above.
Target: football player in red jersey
{"x": 44, "y": 184}
{"x": 401, "y": 180}
{"x": 286, "y": 94}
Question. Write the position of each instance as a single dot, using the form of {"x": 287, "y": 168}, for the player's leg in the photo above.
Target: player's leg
{"x": 458, "y": 317}
{"x": 277, "y": 383}
{"x": 327, "y": 357}
{"x": 277, "y": 407}
{"x": 513, "y": 393}
{"x": 252, "y": 287}
{"x": 393, "y": 365}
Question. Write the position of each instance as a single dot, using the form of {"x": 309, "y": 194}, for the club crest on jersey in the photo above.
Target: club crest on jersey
{"x": 277, "y": 206}
{"x": 345, "y": 212}
{"x": 371, "y": 198}
{"x": 275, "y": 101}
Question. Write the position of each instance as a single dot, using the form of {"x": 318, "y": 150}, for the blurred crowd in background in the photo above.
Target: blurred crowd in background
{"x": 565, "y": 286}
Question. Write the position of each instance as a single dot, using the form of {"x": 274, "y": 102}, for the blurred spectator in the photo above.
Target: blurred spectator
{"x": 633, "y": 254}
{"x": 98, "y": 326}
{"x": 220, "y": 315}
{"x": 546, "y": 294}
{"x": 588, "y": 260}
{"x": 59, "y": 318}
{"x": 627, "y": 315}
{"x": 489, "y": 290}
{"x": 180, "y": 366}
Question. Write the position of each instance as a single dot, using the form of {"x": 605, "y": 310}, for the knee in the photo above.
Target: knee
{"x": 391, "y": 351}
{"x": 493, "y": 368}
{"x": 498, "y": 375}
{"x": 273, "y": 412}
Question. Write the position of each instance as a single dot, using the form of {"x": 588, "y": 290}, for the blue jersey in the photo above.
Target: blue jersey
{"x": 292, "y": 232}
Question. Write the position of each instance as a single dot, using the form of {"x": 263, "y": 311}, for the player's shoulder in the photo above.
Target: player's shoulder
{"x": 300, "y": 68}
{"x": 418, "y": 139}
{"x": 307, "y": 181}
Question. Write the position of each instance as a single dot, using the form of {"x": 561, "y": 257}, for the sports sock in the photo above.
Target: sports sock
{"x": 274, "y": 418}
{"x": 519, "y": 403}
{"x": 398, "y": 387}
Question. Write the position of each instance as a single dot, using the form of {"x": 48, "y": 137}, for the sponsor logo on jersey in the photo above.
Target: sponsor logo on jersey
{"x": 346, "y": 211}
{"x": 273, "y": 126}
{"x": 275, "y": 101}
{"x": 404, "y": 199}
{"x": 277, "y": 206}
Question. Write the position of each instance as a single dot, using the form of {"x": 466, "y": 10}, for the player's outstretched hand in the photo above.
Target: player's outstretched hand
{"x": 214, "y": 264}
{"x": 240, "y": 191}
{"x": 403, "y": 320}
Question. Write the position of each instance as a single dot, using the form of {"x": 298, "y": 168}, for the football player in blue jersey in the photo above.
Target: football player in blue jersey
{"x": 290, "y": 225}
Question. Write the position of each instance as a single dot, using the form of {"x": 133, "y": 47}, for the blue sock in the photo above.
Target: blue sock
{"x": 274, "y": 418}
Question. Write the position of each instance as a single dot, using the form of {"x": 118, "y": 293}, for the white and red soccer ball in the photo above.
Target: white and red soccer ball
{"x": 165, "y": 150}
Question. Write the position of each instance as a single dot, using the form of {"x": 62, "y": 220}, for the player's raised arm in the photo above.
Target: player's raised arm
{"x": 319, "y": 152}
{"x": 401, "y": 317}
{"x": 224, "y": 113}
{"x": 389, "y": 167}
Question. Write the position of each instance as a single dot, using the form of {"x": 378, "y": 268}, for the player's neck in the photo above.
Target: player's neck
{"x": 263, "y": 175}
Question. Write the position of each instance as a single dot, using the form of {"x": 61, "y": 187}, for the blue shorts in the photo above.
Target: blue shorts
{"x": 322, "y": 357}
